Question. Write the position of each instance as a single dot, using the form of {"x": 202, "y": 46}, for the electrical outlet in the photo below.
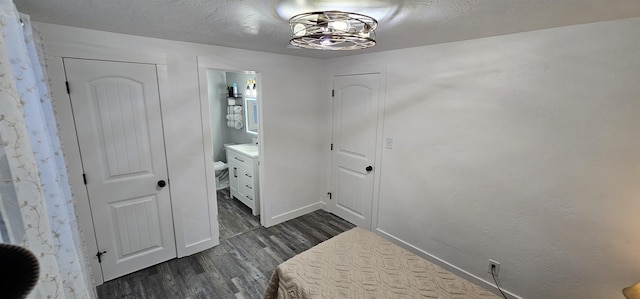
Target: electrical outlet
{"x": 389, "y": 143}
{"x": 494, "y": 267}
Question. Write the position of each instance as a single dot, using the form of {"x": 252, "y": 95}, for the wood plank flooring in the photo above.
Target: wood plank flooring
{"x": 234, "y": 217}
{"x": 239, "y": 267}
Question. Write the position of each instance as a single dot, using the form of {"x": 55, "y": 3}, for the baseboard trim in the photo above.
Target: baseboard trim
{"x": 455, "y": 270}
{"x": 295, "y": 213}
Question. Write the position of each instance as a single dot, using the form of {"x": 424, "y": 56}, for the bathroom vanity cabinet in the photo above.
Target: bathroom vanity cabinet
{"x": 242, "y": 160}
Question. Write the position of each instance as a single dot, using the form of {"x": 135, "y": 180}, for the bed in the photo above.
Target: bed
{"x": 361, "y": 264}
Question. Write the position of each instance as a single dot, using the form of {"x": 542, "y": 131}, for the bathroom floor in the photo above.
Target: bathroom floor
{"x": 234, "y": 217}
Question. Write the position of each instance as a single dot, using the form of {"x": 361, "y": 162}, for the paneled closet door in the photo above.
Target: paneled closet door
{"x": 355, "y": 117}
{"x": 116, "y": 107}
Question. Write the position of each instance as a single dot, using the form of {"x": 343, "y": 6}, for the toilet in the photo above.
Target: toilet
{"x": 222, "y": 175}
{"x": 222, "y": 171}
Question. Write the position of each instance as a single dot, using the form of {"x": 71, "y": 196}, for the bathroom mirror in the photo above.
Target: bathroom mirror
{"x": 251, "y": 115}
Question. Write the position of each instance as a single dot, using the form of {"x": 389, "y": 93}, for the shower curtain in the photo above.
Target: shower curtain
{"x": 36, "y": 209}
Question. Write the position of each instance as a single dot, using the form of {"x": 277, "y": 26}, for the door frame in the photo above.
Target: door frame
{"x": 378, "y": 144}
{"x": 208, "y": 142}
{"x": 71, "y": 149}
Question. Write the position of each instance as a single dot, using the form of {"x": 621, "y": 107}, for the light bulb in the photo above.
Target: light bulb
{"x": 331, "y": 40}
{"x": 326, "y": 41}
{"x": 299, "y": 30}
{"x": 339, "y": 25}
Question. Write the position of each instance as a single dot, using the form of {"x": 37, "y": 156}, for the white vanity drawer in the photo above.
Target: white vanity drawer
{"x": 246, "y": 174}
{"x": 247, "y": 188}
{"x": 244, "y": 196}
{"x": 249, "y": 201}
{"x": 235, "y": 157}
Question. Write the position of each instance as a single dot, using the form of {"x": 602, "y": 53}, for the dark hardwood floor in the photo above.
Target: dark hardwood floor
{"x": 239, "y": 267}
{"x": 234, "y": 217}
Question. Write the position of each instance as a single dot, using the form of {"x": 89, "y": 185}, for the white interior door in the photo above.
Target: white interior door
{"x": 355, "y": 117}
{"x": 116, "y": 108}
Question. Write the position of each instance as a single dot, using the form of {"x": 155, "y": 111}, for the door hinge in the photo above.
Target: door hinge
{"x": 67, "y": 84}
{"x": 329, "y": 193}
{"x": 84, "y": 178}
{"x": 332, "y": 146}
{"x": 99, "y": 255}
{"x": 333, "y": 93}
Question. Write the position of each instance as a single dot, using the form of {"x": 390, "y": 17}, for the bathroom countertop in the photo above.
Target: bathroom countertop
{"x": 250, "y": 150}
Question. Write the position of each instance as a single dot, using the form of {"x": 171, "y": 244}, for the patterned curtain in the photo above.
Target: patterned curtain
{"x": 36, "y": 210}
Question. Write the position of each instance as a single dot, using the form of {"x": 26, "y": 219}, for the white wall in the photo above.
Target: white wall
{"x": 291, "y": 132}
{"x": 522, "y": 148}
{"x": 217, "y": 92}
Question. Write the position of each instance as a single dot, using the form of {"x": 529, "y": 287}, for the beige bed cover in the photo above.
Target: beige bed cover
{"x": 360, "y": 264}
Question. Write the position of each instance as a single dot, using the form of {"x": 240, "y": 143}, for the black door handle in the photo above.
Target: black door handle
{"x": 161, "y": 183}
{"x": 99, "y": 255}
{"x": 369, "y": 168}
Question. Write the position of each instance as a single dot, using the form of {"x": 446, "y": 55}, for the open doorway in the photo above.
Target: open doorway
{"x": 231, "y": 102}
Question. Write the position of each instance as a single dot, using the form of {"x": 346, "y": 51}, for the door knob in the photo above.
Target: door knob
{"x": 161, "y": 183}
{"x": 369, "y": 168}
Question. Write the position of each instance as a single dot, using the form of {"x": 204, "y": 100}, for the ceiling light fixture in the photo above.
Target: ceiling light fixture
{"x": 333, "y": 30}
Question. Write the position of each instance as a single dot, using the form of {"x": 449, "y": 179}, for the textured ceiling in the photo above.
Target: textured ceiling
{"x": 262, "y": 24}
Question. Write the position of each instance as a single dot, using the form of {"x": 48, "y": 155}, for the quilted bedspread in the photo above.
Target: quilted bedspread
{"x": 361, "y": 264}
